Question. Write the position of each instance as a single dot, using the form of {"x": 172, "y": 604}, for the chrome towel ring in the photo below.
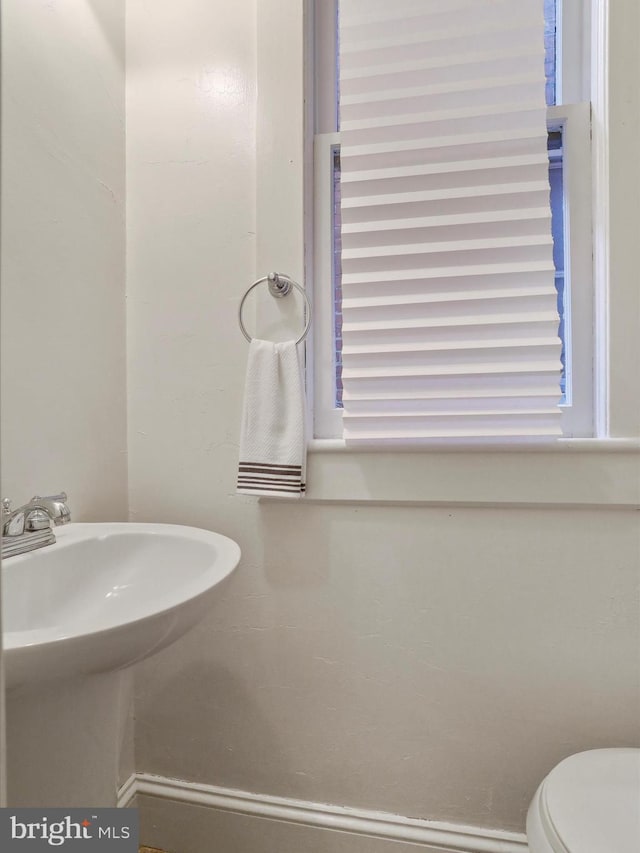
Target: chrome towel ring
{"x": 279, "y": 285}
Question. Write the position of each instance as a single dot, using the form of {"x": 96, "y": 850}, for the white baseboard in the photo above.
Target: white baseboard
{"x": 127, "y": 792}
{"x": 448, "y": 838}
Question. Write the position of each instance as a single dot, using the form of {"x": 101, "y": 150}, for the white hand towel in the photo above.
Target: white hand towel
{"x": 273, "y": 446}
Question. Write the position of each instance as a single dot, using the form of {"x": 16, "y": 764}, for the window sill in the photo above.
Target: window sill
{"x": 569, "y": 472}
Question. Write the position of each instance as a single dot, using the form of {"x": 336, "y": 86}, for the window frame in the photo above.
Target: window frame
{"x": 327, "y": 418}
{"x": 603, "y": 472}
{"x": 574, "y": 120}
{"x": 573, "y": 79}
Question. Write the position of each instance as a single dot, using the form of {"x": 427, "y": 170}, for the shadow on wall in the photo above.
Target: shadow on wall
{"x": 110, "y": 18}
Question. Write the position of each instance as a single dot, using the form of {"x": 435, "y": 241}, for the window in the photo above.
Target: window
{"x": 576, "y": 472}
{"x": 566, "y": 65}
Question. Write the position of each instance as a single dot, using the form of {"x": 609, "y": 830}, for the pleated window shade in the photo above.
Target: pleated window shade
{"x": 450, "y": 322}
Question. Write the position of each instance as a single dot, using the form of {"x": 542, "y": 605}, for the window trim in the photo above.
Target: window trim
{"x": 578, "y": 419}
{"x": 570, "y": 473}
{"x": 574, "y": 119}
{"x": 600, "y": 472}
{"x": 327, "y": 419}
{"x": 574, "y": 51}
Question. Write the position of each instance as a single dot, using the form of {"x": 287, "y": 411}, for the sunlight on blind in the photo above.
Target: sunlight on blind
{"x": 450, "y": 323}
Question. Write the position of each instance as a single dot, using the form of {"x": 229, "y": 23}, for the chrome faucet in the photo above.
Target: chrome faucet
{"x": 29, "y": 527}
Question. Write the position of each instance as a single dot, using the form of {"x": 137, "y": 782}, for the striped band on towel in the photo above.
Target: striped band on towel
{"x": 267, "y": 477}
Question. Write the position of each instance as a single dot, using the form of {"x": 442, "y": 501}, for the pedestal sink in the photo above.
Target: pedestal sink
{"x": 74, "y": 615}
{"x": 105, "y": 596}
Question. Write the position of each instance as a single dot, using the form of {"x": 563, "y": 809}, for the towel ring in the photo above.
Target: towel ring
{"x": 279, "y": 285}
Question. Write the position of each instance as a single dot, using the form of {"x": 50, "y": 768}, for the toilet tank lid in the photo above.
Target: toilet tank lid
{"x": 592, "y": 801}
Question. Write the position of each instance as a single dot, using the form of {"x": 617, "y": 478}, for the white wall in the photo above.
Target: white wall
{"x": 431, "y": 662}
{"x": 63, "y": 254}
{"x": 63, "y": 264}
{"x": 434, "y": 663}
{"x": 624, "y": 210}
{"x": 191, "y": 238}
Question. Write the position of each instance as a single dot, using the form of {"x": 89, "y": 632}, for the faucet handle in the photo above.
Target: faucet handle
{"x": 61, "y": 498}
{"x": 6, "y": 505}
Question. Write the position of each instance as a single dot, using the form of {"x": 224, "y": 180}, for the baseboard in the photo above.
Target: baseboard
{"x": 448, "y": 838}
{"x": 127, "y": 792}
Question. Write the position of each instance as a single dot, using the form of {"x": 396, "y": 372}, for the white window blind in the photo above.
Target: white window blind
{"x": 450, "y": 322}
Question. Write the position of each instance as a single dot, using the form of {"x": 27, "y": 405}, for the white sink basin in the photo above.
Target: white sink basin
{"x": 106, "y": 595}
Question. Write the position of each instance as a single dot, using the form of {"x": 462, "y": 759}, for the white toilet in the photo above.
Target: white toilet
{"x": 589, "y": 803}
